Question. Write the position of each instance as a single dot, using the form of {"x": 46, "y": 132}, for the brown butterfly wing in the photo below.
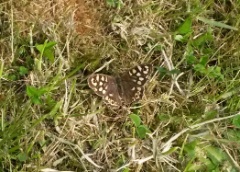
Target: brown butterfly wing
{"x": 131, "y": 83}
{"x": 105, "y": 86}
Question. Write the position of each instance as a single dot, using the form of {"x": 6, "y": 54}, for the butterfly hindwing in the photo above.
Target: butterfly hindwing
{"x": 105, "y": 86}
{"x": 125, "y": 89}
{"x": 132, "y": 83}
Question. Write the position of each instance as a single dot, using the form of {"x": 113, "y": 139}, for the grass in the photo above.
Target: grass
{"x": 188, "y": 119}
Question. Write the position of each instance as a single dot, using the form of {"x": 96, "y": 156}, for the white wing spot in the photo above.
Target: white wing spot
{"x": 134, "y": 71}
{"x": 100, "y": 89}
{"x": 139, "y": 88}
{"x": 146, "y": 71}
{"x": 100, "y": 83}
{"x": 141, "y": 78}
{"x": 130, "y": 73}
{"x": 134, "y": 80}
{"x": 104, "y": 91}
{"x": 139, "y": 83}
{"x": 133, "y": 88}
{"x": 147, "y": 67}
{"x": 138, "y": 74}
{"x": 110, "y": 95}
{"x": 139, "y": 68}
{"x": 93, "y": 82}
{"x": 138, "y": 97}
{"x": 97, "y": 78}
{"x": 103, "y": 78}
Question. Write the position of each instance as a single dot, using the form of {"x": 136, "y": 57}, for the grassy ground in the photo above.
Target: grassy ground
{"x": 188, "y": 117}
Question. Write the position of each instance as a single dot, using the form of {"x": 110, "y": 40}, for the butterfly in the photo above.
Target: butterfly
{"x": 123, "y": 89}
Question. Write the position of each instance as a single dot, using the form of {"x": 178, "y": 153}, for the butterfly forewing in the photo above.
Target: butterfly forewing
{"x": 132, "y": 83}
{"x": 124, "y": 89}
{"x": 106, "y": 87}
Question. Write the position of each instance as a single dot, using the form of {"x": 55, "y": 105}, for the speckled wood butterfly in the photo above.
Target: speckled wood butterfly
{"x": 124, "y": 89}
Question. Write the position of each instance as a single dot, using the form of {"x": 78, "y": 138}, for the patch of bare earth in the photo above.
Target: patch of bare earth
{"x": 78, "y": 15}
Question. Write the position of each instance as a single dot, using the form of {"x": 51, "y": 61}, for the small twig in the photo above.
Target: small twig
{"x": 169, "y": 65}
{"x": 122, "y": 167}
{"x": 142, "y": 160}
{"x": 103, "y": 66}
{"x": 86, "y": 156}
{"x": 174, "y": 76}
{"x": 52, "y": 170}
{"x": 167, "y": 161}
{"x": 177, "y": 85}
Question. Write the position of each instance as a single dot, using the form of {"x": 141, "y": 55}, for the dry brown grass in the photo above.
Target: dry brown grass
{"x": 72, "y": 129}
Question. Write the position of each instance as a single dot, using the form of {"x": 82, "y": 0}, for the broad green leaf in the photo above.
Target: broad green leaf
{"x": 215, "y": 72}
{"x": 186, "y": 27}
{"x": 189, "y": 55}
{"x": 22, "y": 157}
{"x": 142, "y": 131}
{"x": 49, "y": 53}
{"x": 50, "y": 44}
{"x": 23, "y": 70}
{"x": 46, "y": 45}
{"x": 135, "y": 119}
{"x": 47, "y": 49}
{"x": 200, "y": 68}
{"x": 35, "y": 94}
{"x": 35, "y": 91}
{"x": 40, "y": 47}
{"x": 190, "y": 148}
{"x": 191, "y": 59}
{"x": 215, "y": 153}
{"x": 203, "y": 60}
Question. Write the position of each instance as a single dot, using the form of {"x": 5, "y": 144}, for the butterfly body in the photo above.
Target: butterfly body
{"x": 124, "y": 89}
